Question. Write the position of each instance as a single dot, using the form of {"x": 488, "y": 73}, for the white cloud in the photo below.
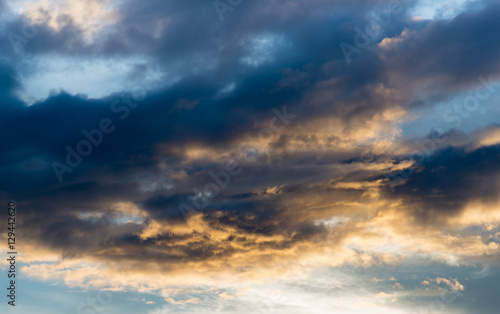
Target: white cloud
{"x": 440, "y": 9}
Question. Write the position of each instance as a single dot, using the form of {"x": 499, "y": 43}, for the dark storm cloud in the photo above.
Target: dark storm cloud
{"x": 444, "y": 182}
{"x": 448, "y": 54}
{"x": 173, "y": 30}
{"x": 193, "y": 41}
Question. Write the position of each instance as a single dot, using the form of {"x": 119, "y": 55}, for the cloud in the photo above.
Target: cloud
{"x": 437, "y": 189}
{"x": 316, "y": 188}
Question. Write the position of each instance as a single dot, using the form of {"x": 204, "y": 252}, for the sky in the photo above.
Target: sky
{"x": 237, "y": 156}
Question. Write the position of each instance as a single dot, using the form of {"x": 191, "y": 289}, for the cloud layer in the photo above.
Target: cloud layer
{"x": 199, "y": 158}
